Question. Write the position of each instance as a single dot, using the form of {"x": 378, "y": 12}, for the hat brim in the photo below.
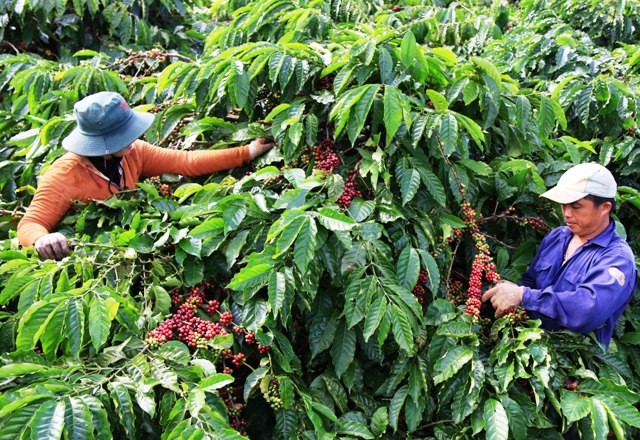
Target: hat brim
{"x": 109, "y": 143}
{"x": 563, "y": 195}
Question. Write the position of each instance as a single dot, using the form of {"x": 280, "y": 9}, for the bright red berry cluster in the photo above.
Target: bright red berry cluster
{"x": 482, "y": 266}
{"x": 419, "y": 290}
{"x": 325, "y": 157}
{"x": 185, "y": 325}
{"x": 350, "y": 190}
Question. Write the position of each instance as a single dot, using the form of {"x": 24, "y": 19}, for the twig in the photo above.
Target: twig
{"x": 12, "y": 212}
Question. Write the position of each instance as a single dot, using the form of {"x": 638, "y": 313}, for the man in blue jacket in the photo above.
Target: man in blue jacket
{"x": 583, "y": 274}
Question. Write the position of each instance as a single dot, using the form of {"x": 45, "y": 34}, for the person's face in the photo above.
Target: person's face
{"x": 585, "y": 219}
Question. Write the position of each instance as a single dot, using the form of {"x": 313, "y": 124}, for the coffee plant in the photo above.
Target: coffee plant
{"x": 331, "y": 288}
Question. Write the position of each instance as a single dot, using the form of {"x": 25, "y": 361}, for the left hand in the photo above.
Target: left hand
{"x": 504, "y": 297}
{"x": 259, "y": 146}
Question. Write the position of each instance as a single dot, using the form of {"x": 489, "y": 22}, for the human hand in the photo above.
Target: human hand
{"x": 259, "y": 146}
{"x": 53, "y": 246}
{"x": 504, "y": 296}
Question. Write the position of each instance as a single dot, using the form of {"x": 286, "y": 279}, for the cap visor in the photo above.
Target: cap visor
{"x": 563, "y": 195}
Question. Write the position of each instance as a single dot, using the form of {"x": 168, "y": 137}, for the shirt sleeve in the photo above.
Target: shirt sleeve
{"x": 607, "y": 286}
{"x": 49, "y": 205}
{"x": 156, "y": 160}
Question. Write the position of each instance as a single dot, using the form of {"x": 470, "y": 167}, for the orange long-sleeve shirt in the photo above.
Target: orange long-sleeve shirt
{"x": 73, "y": 177}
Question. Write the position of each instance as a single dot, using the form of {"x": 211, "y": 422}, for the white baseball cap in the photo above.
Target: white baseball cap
{"x": 583, "y": 180}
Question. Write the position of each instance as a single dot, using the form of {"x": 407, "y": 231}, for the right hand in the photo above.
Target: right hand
{"x": 260, "y": 146}
{"x": 53, "y": 246}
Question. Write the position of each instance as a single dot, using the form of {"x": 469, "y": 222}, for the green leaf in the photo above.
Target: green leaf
{"x": 124, "y": 406}
{"x": 78, "y": 422}
{"x": 335, "y": 221}
{"x": 15, "y": 284}
{"x": 361, "y": 110}
{"x": 250, "y": 277}
{"x": 355, "y": 429}
{"x": 14, "y": 426}
{"x": 379, "y": 421}
{"x": 451, "y": 363}
{"x": 374, "y": 314}
{"x": 343, "y": 349}
{"x": 99, "y": 323}
{"x": 174, "y": 351}
{"x": 252, "y": 380}
{"x": 408, "y": 49}
{"x": 623, "y": 410}
{"x": 397, "y": 402}
{"x": 449, "y": 134}
{"x": 574, "y": 407}
{"x": 517, "y": 418}
{"x": 392, "y": 111}
{"x": 439, "y": 102}
{"x": 193, "y": 271}
{"x": 408, "y": 267}
{"x": 48, "y": 421}
{"x": 100, "y": 420}
{"x": 215, "y": 382}
{"x": 546, "y": 118}
{"x": 409, "y": 185}
{"x": 523, "y": 112}
{"x": 497, "y": 426}
{"x": 402, "y": 332}
{"x": 433, "y": 185}
{"x": 288, "y": 236}
{"x": 599, "y": 424}
{"x": 20, "y": 369}
{"x": 304, "y": 248}
{"x": 34, "y": 321}
{"x": 488, "y": 68}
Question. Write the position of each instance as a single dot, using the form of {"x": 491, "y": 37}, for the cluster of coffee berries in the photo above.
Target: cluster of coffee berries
{"x": 325, "y": 157}
{"x": 537, "y": 223}
{"x": 482, "y": 266}
{"x": 571, "y": 384}
{"x": 516, "y": 314}
{"x": 350, "y": 190}
{"x": 326, "y": 83}
{"x": 419, "y": 290}
{"x": 143, "y": 63}
{"x": 455, "y": 292}
{"x": 235, "y": 410}
{"x": 237, "y": 359}
{"x": 457, "y": 234}
{"x": 266, "y": 99}
{"x": 272, "y": 394}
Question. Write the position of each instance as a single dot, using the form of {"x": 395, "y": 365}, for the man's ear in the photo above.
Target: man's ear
{"x": 607, "y": 207}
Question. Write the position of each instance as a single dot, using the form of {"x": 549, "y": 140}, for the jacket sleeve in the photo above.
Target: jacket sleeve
{"x": 607, "y": 286}
{"x": 49, "y": 205}
{"x": 156, "y": 160}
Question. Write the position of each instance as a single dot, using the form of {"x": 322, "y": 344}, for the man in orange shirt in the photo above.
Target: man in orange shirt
{"x": 104, "y": 155}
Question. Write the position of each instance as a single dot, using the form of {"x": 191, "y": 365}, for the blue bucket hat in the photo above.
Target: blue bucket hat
{"x": 106, "y": 125}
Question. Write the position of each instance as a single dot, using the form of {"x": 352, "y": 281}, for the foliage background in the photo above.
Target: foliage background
{"x": 354, "y": 278}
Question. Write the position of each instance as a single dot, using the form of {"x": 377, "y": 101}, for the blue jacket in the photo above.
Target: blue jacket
{"x": 587, "y": 293}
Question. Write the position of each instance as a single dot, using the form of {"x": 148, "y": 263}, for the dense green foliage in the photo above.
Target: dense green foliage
{"x": 344, "y": 253}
